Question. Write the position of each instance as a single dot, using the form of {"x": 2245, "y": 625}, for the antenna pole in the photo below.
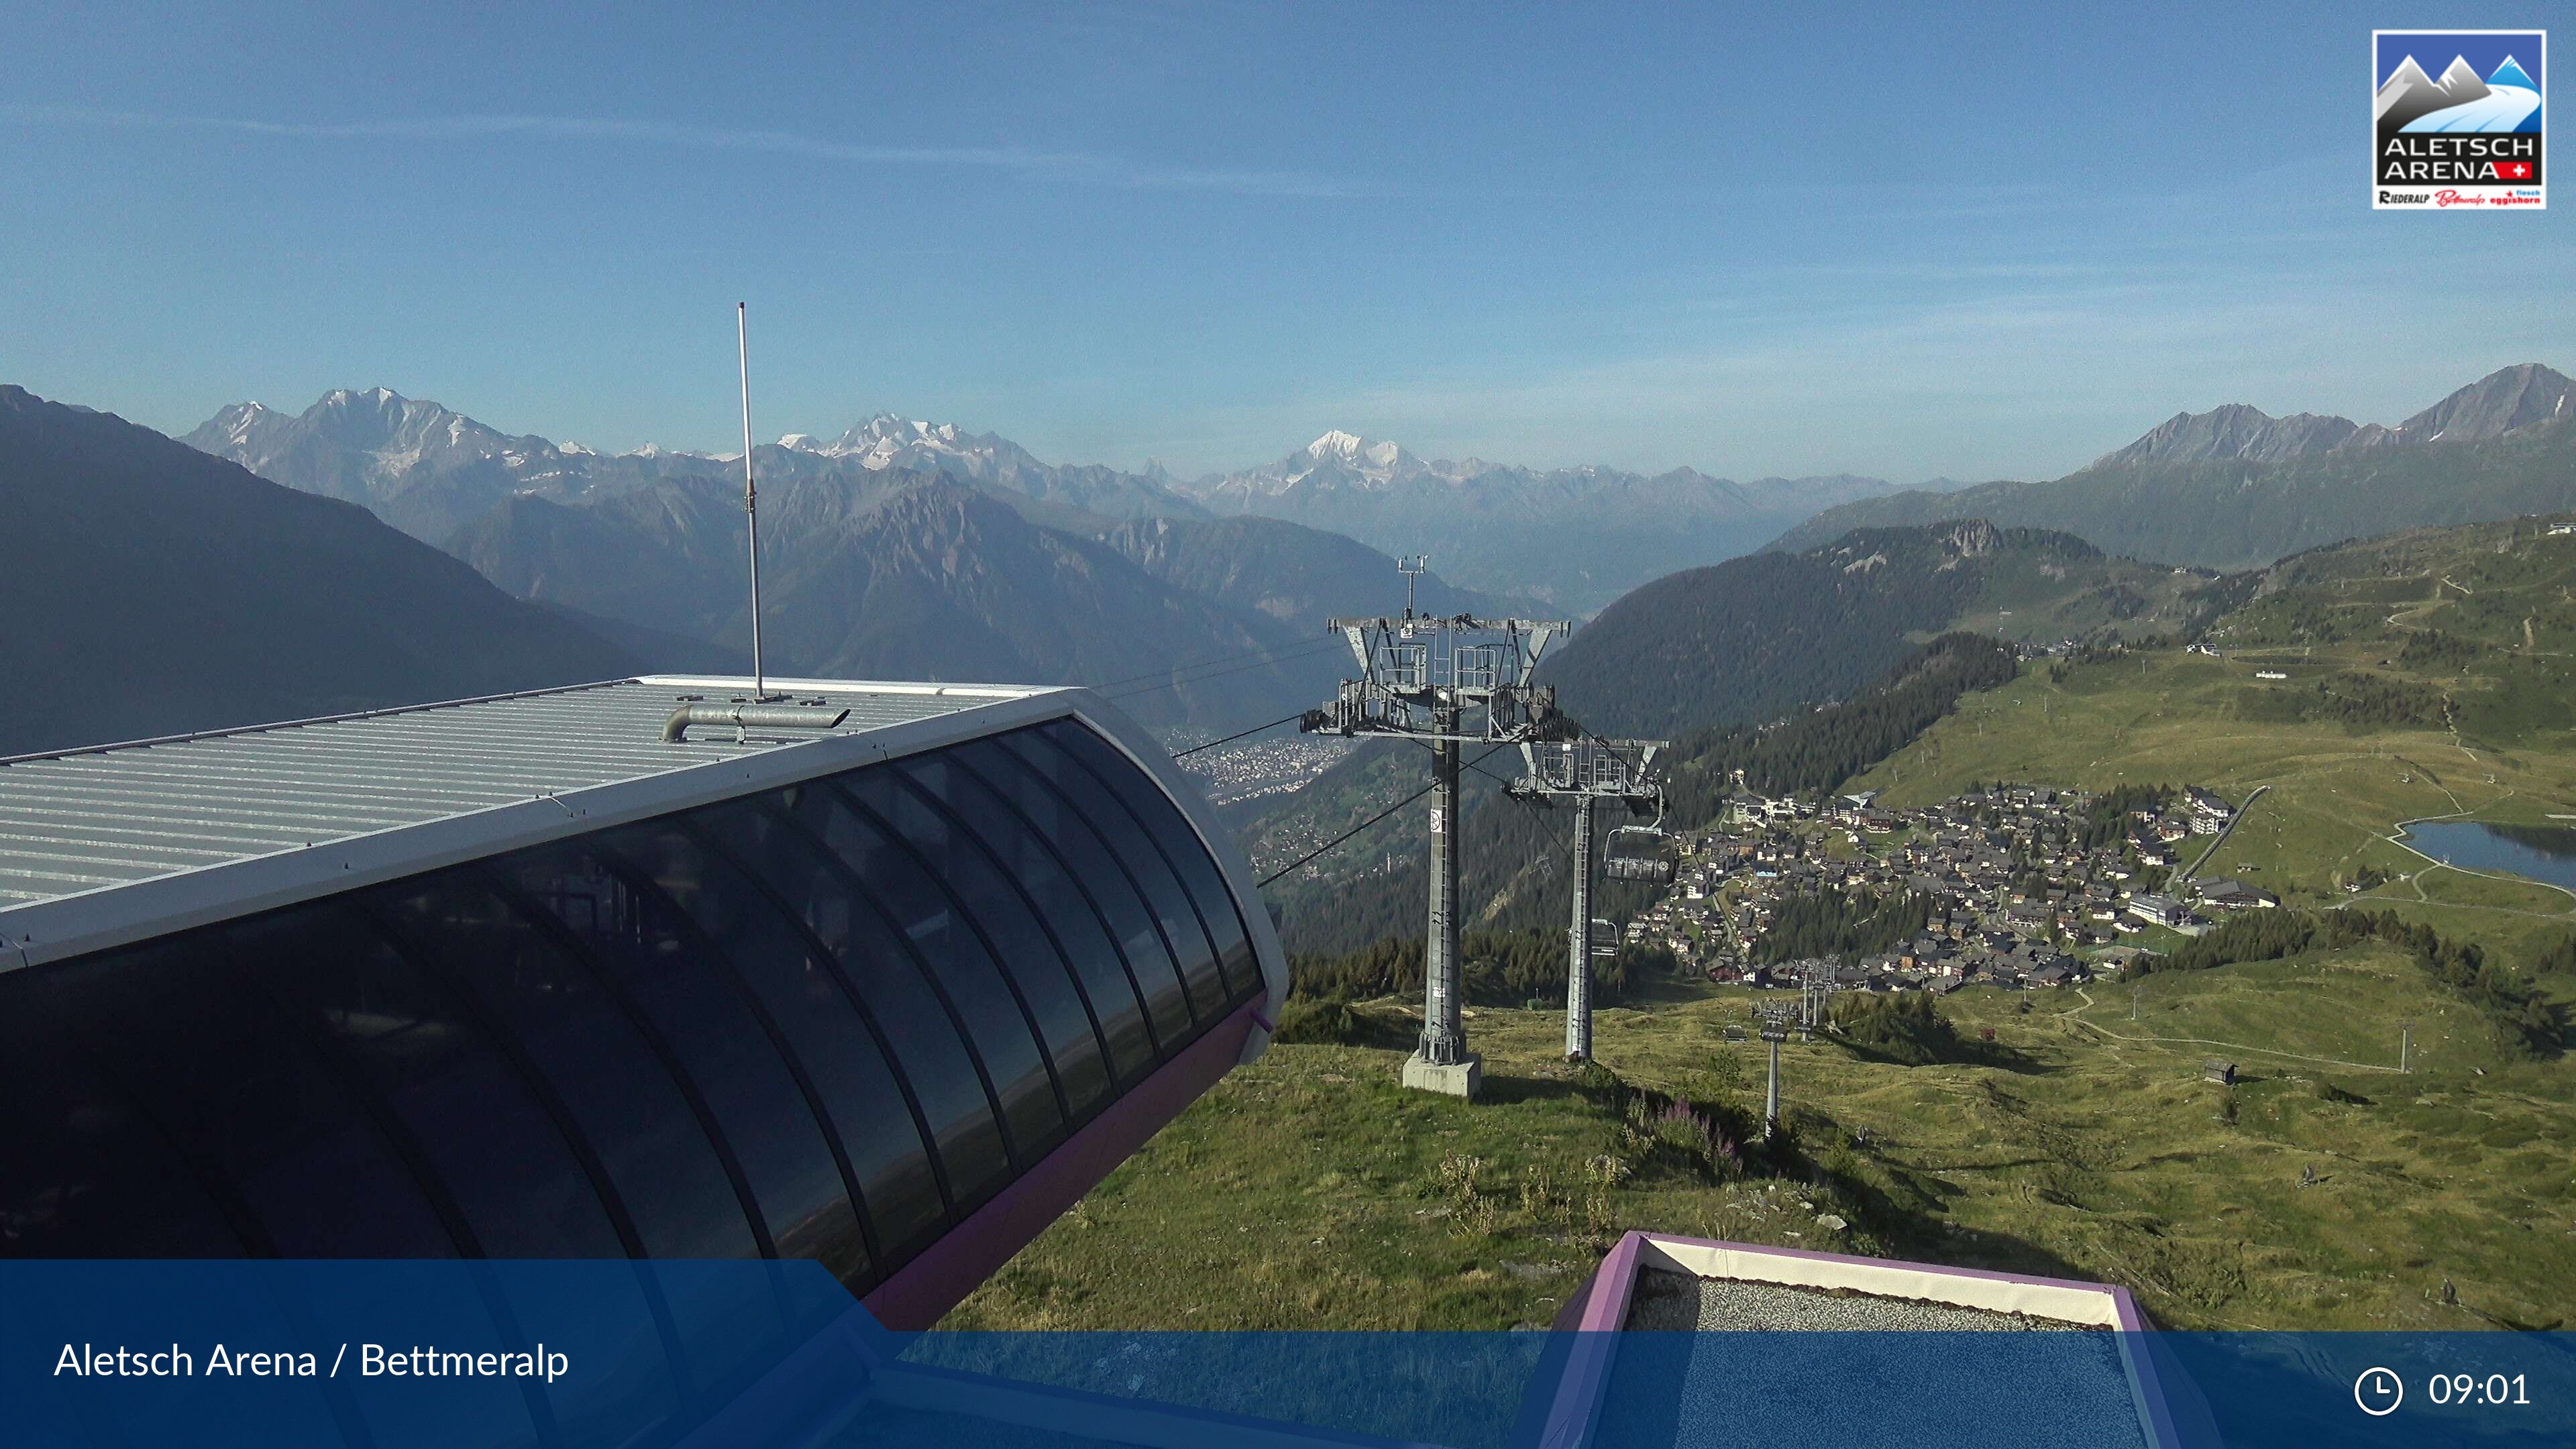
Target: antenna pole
{"x": 750, "y": 500}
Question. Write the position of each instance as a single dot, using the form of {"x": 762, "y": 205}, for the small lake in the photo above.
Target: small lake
{"x": 2539, "y": 852}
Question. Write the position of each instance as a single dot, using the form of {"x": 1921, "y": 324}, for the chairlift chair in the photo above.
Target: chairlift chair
{"x": 1656, "y": 869}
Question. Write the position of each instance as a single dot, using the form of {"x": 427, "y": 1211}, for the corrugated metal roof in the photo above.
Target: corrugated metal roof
{"x": 83, "y": 820}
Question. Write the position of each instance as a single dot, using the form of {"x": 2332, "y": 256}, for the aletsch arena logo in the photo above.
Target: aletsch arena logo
{"x": 2465, "y": 135}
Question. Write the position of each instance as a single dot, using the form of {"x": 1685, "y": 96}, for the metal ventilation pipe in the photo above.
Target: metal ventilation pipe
{"x": 745, "y": 717}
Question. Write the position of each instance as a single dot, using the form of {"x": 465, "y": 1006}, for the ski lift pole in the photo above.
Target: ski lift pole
{"x": 1578, "y": 965}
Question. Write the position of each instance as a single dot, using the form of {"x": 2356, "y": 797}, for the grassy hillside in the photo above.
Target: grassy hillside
{"x": 1309, "y": 1191}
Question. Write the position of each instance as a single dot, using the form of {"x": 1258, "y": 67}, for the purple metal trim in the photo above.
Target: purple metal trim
{"x": 1606, "y": 1310}
{"x": 923, "y": 1290}
{"x": 1600, "y": 1304}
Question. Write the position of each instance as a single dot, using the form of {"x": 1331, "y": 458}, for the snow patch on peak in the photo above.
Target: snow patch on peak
{"x": 1335, "y": 444}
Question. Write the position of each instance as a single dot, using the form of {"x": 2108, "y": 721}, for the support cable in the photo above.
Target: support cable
{"x": 1365, "y": 824}
{"x": 1239, "y": 734}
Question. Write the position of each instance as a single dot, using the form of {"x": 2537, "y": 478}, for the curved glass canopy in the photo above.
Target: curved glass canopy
{"x": 827, "y": 1021}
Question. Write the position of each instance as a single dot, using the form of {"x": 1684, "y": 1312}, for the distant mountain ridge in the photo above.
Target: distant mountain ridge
{"x": 430, "y": 470}
{"x": 1578, "y": 537}
{"x": 2499, "y": 403}
{"x": 2236, "y": 488}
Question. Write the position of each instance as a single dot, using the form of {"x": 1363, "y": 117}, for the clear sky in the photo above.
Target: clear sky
{"x": 1914, "y": 241}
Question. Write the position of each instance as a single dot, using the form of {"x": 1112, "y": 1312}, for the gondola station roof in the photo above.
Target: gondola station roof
{"x": 881, "y": 974}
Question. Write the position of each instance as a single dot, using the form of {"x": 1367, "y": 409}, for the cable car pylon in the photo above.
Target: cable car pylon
{"x": 1589, "y": 770}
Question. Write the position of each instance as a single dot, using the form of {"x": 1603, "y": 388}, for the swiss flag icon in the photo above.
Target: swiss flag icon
{"x": 2514, "y": 170}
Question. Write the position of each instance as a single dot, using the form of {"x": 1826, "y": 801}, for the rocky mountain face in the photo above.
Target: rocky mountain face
{"x": 175, "y": 592}
{"x": 2234, "y": 431}
{"x": 2234, "y": 488}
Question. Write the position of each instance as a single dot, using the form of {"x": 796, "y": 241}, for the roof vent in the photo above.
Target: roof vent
{"x": 747, "y": 717}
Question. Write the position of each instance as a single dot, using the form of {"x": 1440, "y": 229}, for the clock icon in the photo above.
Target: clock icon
{"x": 2379, "y": 1391}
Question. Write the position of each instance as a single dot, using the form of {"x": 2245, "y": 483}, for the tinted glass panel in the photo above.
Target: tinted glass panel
{"x": 499, "y": 1154}
{"x": 622, "y": 1100}
{"x": 955, "y": 823}
{"x": 81, "y": 1175}
{"x": 180, "y": 1030}
{"x": 694, "y": 1000}
{"x": 923, "y": 915}
{"x": 1105, "y": 886}
{"x": 870, "y": 966}
{"x": 1136, "y": 850}
{"x": 1189, "y": 854}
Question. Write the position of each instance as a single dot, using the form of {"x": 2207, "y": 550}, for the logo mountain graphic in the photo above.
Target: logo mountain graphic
{"x": 2459, "y": 101}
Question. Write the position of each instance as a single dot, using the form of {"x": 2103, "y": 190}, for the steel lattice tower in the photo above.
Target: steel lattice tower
{"x": 1446, "y": 683}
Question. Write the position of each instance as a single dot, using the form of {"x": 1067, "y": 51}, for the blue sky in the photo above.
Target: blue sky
{"x": 1909, "y": 242}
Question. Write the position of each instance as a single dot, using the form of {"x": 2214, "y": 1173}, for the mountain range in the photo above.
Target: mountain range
{"x": 2235, "y": 487}
{"x": 430, "y": 471}
{"x": 155, "y": 590}
{"x": 1569, "y": 539}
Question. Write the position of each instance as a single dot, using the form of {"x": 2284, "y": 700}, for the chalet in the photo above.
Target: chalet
{"x": 2208, "y": 812}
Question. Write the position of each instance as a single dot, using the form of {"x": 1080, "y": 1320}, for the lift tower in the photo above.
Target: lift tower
{"x": 1446, "y": 683}
{"x": 1587, "y": 771}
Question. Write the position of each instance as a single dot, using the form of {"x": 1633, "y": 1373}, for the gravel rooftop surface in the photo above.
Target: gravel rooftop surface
{"x": 1679, "y": 1302}
{"x": 1810, "y": 1382}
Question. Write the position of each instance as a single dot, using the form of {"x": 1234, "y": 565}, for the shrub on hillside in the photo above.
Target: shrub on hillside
{"x": 1322, "y": 1023}
{"x": 1905, "y": 1027}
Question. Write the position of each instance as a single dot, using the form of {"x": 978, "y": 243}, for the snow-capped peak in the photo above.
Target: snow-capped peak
{"x": 1335, "y": 444}
{"x": 576, "y": 450}
{"x": 2461, "y": 80}
{"x": 801, "y": 442}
